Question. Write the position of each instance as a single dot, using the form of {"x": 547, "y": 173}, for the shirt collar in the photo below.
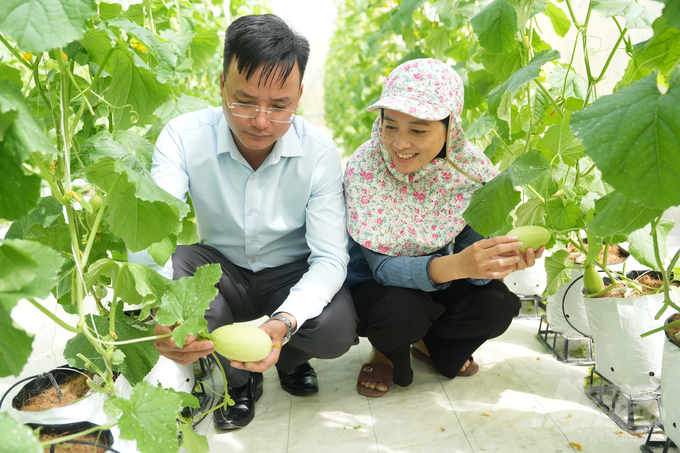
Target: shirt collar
{"x": 286, "y": 146}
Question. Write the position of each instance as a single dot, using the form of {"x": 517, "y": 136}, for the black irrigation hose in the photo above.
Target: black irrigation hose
{"x": 564, "y": 313}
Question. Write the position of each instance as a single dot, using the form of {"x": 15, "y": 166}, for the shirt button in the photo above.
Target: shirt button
{"x": 251, "y": 242}
{"x": 252, "y": 178}
{"x": 252, "y": 260}
{"x": 250, "y": 212}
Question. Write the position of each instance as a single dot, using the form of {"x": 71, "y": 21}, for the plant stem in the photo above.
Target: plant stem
{"x": 59, "y": 440}
{"x": 15, "y": 53}
{"x": 56, "y": 193}
{"x": 36, "y": 78}
{"x": 573, "y": 16}
{"x": 552, "y": 101}
{"x": 528, "y": 186}
{"x": 136, "y": 340}
{"x": 611, "y": 55}
{"x": 52, "y": 316}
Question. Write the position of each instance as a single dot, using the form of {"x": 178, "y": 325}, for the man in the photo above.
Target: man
{"x": 266, "y": 189}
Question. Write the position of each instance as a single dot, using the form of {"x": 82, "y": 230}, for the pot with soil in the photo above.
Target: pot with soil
{"x": 670, "y": 382}
{"x": 565, "y": 310}
{"x": 98, "y": 441}
{"x": 59, "y": 396}
{"x": 617, "y": 320}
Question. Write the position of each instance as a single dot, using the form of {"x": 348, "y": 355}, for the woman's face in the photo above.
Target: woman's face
{"x": 411, "y": 142}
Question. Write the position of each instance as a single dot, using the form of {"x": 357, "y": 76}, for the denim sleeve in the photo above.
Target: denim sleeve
{"x": 465, "y": 239}
{"x": 402, "y": 271}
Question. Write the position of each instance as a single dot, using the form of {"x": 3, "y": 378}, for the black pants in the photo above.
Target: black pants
{"x": 453, "y": 322}
{"x": 245, "y": 295}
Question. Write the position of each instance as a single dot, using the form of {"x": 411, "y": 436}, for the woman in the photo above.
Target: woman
{"x": 422, "y": 280}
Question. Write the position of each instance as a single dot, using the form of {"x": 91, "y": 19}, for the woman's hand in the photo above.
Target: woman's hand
{"x": 528, "y": 258}
{"x": 189, "y": 353}
{"x": 491, "y": 258}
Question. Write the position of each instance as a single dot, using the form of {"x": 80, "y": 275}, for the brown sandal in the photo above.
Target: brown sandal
{"x": 374, "y": 372}
{"x": 471, "y": 370}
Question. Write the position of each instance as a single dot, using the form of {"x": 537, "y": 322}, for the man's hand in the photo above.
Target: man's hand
{"x": 276, "y": 330}
{"x": 192, "y": 350}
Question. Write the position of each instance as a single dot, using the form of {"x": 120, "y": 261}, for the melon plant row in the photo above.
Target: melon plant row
{"x": 577, "y": 162}
{"x": 85, "y": 88}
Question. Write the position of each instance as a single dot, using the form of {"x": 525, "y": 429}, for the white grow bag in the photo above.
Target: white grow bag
{"x": 571, "y": 295}
{"x": 670, "y": 390}
{"x": 91, "y": 408}
{"x": 630, "y": 362}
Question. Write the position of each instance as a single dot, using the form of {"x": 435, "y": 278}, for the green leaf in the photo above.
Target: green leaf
{"x": 564, "y": 214}
{"x": 526, "y": 9}
{"x": 48, "y": 213}
{"x": 17, "y": 437}
{"x": 642, "y": 243}
{"x": 636, "y": 15}
{"x": 108, "y": 11}
{"x": 42, "y": 25}
{"x": 11, "y": 74}
{"x": 192, "y": 441}
{"x": 558, "y": 269}
{"x": 558, "y": 18}
{"x": 15, "y": 346}
{"x": 133, "y": 90}
{"x": 140, "y": 356}
{"x": 439, "y": 42}
{"x": 502, "y": 66}
{"x": 576, "y": 85}
{"x": 495, "y": 27}
{"x": 17, "y": 268}
{"x": 49, "y": 264}
{"x": 148, "y": 417}
{"x": 176, "y": 106}
{"x": 186, "y": 301}
{"x": 136, "y": 284}
{"x": 528, "y": 167}
{"x": 491, "y": 205}
{"x": 97, "y": 43}
{"x": 203, "y": 47}
{"x": 616, "y": 215}
{"x": 559, "y": 141}
{"x": 662, "y": 51}
{"x": 594, "y": 247}
{"x": 521, "y": 77}
{"x": 161, "y": 52}
{"x": 633, "y": 136}
{"x": 531, "y": 212}
{"x": 163, "y": 250}
{"x": 138, "y": 211}
{"x": 126, "y": 147}
{"x": 671, "y": 13}
{"x": 482, "y": 126}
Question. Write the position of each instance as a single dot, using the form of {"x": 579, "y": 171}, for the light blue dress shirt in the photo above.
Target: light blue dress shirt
{"x": 291, "y": 207}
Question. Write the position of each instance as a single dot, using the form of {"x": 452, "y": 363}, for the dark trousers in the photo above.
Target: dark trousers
{"x": 453, "y": 322}
{"x": 244, "y": 295}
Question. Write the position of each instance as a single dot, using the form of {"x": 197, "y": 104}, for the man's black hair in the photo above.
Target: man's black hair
{"x": 266, "y": 40}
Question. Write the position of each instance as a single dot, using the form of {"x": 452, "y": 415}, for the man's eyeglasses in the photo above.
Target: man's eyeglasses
{"x": 251, "y": 111}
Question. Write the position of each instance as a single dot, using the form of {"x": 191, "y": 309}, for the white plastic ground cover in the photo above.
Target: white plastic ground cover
{"x": 670, "y": 390}
{"x": 630, "y": 362}
{"x": 572, "y": 294}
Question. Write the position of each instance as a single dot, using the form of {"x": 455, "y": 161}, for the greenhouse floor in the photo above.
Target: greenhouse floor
{"x": 522, "y": 399}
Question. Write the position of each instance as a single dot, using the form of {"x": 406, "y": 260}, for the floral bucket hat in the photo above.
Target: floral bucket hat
{"x": 416, "y": 213}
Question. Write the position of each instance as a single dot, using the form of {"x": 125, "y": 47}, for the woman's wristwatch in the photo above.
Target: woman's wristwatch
{"x": 289, "y": 326}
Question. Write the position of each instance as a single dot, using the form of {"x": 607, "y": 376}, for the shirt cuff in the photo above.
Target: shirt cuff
{"x": 479, "y": 281}
{"x": 421, "y": 275}
{"x": 302, "y": 306}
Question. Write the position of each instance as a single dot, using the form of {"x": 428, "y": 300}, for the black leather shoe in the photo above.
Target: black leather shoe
{"x": 299, "y": 381}
{"x": 243, "y": 411}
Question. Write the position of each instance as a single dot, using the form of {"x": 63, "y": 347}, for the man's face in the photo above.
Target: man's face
{"x": 257, "y": 135}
